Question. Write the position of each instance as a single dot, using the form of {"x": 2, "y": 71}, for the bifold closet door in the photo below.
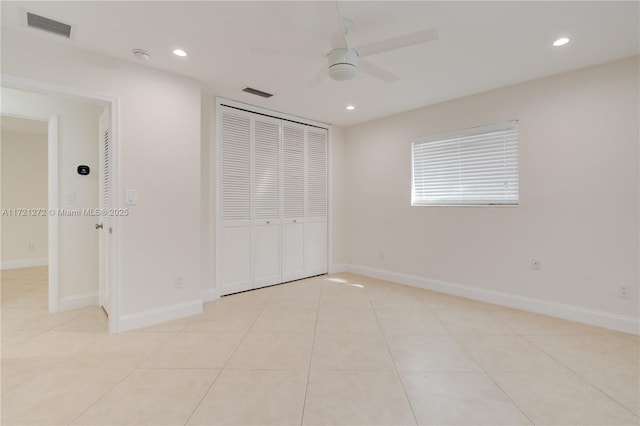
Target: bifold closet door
{"x": 266, "y": 201}
{"x": 315, "y": 225}
{"x": 235, "y": 240}
{"x": 272, "y": 211}
{"x": 293, "y": 172}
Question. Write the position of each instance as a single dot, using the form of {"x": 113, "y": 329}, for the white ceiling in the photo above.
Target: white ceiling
{"x": 481, "y": 46}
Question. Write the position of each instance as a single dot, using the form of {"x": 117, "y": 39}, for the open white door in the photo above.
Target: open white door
{"x": 103, "y": 226}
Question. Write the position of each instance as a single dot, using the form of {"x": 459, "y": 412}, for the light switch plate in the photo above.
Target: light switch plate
{"x": 130, "y": 197}
{"x": 69, "y": 198}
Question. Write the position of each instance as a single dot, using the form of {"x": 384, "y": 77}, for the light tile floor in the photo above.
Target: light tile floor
{"x": 338, "y": 349}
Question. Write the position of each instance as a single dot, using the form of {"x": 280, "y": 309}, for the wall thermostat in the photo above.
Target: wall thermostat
{"x": 83, "y": 170}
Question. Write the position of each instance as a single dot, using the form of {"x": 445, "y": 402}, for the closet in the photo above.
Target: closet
{"x": 271, "y": 200}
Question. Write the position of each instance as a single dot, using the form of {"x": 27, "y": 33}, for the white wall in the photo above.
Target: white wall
{"x": 579, "y": 194}
{"x": 24, "y": 185}
{"x": 159, "y": 155}
{"x": 78, "y": 143}
{"x": 338, "y": 259}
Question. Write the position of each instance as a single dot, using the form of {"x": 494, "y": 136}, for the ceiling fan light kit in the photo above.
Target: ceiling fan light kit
{"x": 343, "y": 64}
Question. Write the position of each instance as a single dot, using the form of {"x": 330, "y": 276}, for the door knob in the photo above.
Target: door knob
{"x": 99, "y": 226}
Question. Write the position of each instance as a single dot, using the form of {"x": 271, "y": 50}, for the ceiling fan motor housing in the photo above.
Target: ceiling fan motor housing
{"x": 343, "y": 64}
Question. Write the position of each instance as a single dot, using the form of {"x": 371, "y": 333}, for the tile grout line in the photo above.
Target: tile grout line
{"x": 313, "y": 344}
{"x": 204, "y": 394}
{"x": 584, "y": 379}
{"x": 492, "y": 379}
{"x": 123, "y": 379}
{"x": 395, "y": 366}
{"x": 103, "y": 395}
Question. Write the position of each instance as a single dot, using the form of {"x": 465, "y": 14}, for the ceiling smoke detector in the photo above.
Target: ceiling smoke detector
{"x": 141, "y": 55}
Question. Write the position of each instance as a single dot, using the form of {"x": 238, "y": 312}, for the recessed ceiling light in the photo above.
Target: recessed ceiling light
{"x": 179, "y": 52}
{"x": 350, "y": 107}
{"x": 561, "y": 41}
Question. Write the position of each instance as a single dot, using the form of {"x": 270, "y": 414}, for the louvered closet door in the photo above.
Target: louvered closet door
{"x": 266, "y": 211}
{"x": 315, "y": 226}
{"x": 235, "y": 241}
{"x": 293, "y": 172}
{"x": 105, "y": 204}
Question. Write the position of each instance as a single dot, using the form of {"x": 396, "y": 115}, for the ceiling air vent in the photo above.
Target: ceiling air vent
{"x": 257, "y": 92}
{"x": 49, "y": 25}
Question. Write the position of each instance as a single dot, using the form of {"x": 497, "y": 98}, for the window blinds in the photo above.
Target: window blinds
{"x": 477, "y": 166}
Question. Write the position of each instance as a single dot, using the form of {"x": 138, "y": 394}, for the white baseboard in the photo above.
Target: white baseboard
{"x": 156, "y": 316}
{"x": 24, "y": 263}
{"x": 569, "y": 312}
{"x": 77, "y": 301}
{"x": 209, "y": 294}
{"x": 337, "y": 268}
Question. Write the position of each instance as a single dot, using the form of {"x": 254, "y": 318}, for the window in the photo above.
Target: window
{"x": 477, "y": 166}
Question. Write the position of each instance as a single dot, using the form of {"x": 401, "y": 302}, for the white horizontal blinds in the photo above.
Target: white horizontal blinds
{"x": 236, "y": 163}
{"x": 293, "y": 171}
{"x": 475, "y": 167}
{"x": 266, "y": 151}
{"x": 316, "y": 172}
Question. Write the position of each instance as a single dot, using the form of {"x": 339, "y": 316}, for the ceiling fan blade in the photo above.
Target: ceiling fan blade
{"x": 397, "y": 42}
{"x": 375, "y": 71}
{"x": 339, "y": 35}
{"x": 318, "y": 77}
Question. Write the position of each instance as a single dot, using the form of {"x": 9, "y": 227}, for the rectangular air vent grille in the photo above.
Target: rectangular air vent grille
{"x": 46, "y": 24}
{"x": 257, "y": 92}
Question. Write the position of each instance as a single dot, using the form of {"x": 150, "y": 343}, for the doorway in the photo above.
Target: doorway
{"x": 24, "y": 223}
{"x": 75, "y": 192}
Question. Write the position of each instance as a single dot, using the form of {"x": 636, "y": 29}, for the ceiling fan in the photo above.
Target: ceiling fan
{"x": 344, "y": 61}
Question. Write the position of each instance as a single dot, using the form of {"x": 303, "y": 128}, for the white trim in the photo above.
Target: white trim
{"x": 159, "y": 315}
{"x": 208, "y": 194}
{"x": 329, "y": 199}
{"x": 337, "y": 268}
{"x": 569, "y": 312}
{"x": 276, "y": 114}
{"x": 17, "y": 82}
{"x": 53, "y": 221}
{"x": 209, "y": 295}
{"x": 471, "y": 131}
{"x": 78, "y": 301}
{"x": 24, "y": 263}
{"x": 218, "y": 196}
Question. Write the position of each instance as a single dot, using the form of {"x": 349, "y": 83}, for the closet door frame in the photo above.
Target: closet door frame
{"x": 242, "y": 228}
{"x": 217, "y": 196}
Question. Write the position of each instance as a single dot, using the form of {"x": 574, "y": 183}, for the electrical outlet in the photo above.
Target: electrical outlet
{"x": 33, "y": 247}
{"x": 179, "y": 281}
{"x": 623, "y": 291}
{"x": 536, "y": 265}
{"x": 381, "y": 255}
